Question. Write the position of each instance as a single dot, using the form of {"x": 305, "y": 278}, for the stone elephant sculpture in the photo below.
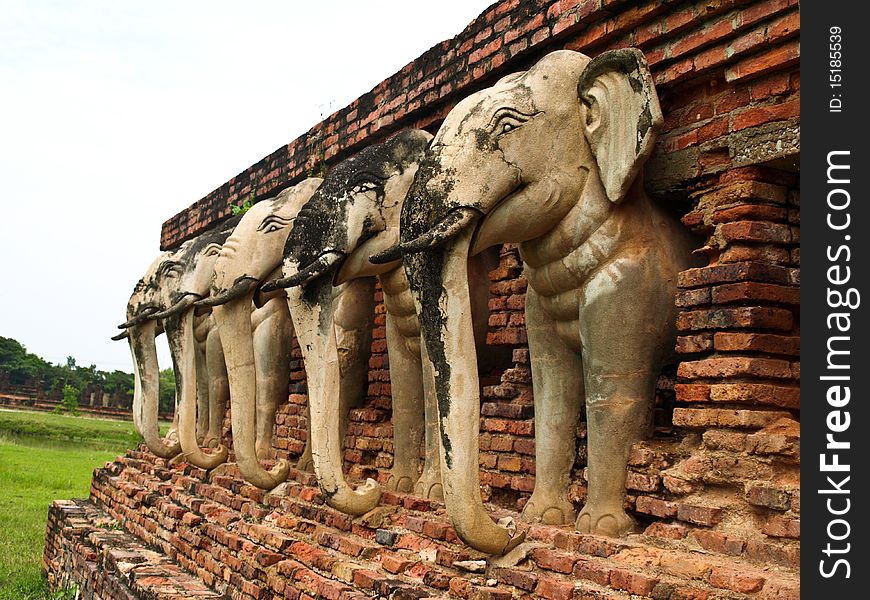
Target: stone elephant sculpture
{"x": 167, "y": 294}
{"x": 140, "y": 330}
{"x": 197, "y": 355}
{"x": 256, "y": 330}
{"x": 549, "y": 158}
{"x": 330, "y": 281}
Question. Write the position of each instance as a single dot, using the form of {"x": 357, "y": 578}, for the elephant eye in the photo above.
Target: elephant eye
{"x": 365, "y": 186}
{"x": 273, "y": 223}
{"x": 507, "y": 119}
{"x": 212, "y": 250}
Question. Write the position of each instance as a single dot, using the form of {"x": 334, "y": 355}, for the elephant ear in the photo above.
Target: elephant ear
{"x": 622, "y": 116}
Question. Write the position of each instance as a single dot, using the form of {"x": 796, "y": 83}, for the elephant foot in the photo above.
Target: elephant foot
{"x": 548, "y": 510}
{"x": 403, "y": 484}
{"x": 177, "y": 459}
{"x": 609, "y": 521}
{"x": 429, "y": 487}
{"x": 305, "y": 463}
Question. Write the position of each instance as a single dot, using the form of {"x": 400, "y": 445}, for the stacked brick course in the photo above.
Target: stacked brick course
{"x": 715, "y": 490}
{"x": 245, "y": 543}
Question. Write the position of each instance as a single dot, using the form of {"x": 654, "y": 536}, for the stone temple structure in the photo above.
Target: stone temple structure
{"x": 674, "y": 168}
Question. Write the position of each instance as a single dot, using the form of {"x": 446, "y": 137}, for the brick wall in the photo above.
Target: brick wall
{"x": 715, "y": 490}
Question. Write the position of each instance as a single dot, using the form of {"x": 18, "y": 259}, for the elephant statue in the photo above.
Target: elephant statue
{"x": 256, "y": 330}
{"x": 549, "y": 158}
{"x": 330, "y": 281}
{"x": 141, "y": 329}
{"x": 197, "y": 355}
{"x": 176, "y": 280}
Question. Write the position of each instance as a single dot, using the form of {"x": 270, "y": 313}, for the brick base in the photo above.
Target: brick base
{"x": 185, "y": 536}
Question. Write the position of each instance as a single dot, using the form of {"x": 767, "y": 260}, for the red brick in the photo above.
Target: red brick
{"x": 774, "y": 85}
{"x": 694, "y": 297}
{"x": 752, "y": 290}
{"x": 656, "y": 507}
{"x": 736, "y": 580}
{"x": 750, "y": 212}
{"x": 730, "y": 273}
{"x": 591, "y": 570}
{"x": 524, "y": 580}
{"x": 755, "y": 317}
{"x": 699, "y": 515}
{"x": 633, "y": 583}
{"x": 769, "y": 497}
{"x": 757, "y": 342}
{"x": 460, "y": 587}
{"x": 759, "y": 115}
{"x": 734, "y": 98}
{"x": 554, "y": 589}
{"x": 694, "y": 344}
{"x": 711, "y": 417}
{"x": 756, "y": 393}
{"x": 672, "y": 531}
{"x": 395, "y": 563}
{"x": 779, "y": 526}
{"x": 715, "y": 541}
{"x": 755, "y": 231}
{"x": 554, "y": 561}
{"x": 735, "y": 366}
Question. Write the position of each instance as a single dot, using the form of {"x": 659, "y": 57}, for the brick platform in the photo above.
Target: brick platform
{"x": 248, "y": 544}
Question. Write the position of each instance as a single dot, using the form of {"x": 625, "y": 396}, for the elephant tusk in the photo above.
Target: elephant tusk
{"x": 186, "y": 301}
{"x": 323, "y": 263}
{"x": 455, "y": 221}
{"x": 146, "y": 314}
{"x": 243, "y": 285}
{"x": 121, "y": 336}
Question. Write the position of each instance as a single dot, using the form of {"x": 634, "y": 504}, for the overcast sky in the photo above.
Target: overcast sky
{"x": 115, "y": 115}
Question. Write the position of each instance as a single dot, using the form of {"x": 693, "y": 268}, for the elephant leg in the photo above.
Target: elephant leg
{"x": 430, "y": 484}
{"x": 557, "y": 383}
{"x": 218, "y": 388}
{"x": 354, "y": 320}
{"x": 623, "y": 331}
{"x": 272, "y": 367}
{"x": 406, "y": 383}
{"x": 202, "y": 393}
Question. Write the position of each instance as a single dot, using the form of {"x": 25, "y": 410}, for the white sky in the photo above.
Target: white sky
{"x": 116, "y": 115}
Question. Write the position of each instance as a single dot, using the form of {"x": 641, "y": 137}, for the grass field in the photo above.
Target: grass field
{"x": 44, "y": 457}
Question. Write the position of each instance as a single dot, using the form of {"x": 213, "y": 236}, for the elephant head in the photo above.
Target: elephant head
{"x": 352, "y": 216}
{"x": 508, "y": 164}
{"x": 142, "y": 329}
{"x": 249, "y": 255}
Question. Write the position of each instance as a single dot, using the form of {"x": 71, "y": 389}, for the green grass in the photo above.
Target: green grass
{"x": 44, "y": 457}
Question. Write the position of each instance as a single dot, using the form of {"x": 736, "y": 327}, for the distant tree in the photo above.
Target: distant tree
{"x": 21, "y": 365}
{"x": 18, "y": 362}
{"x": 166, "y": 394}
{"x": 70, "y": 402}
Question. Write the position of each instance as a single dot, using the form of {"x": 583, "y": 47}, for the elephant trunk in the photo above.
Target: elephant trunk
{"x": 148, "y": 376}
{"x": 313, "y": 310}
{"x": 314, "y": 270}
{"x": 439, "y": 280}
{"x": 146, "y": 314}
{"x": 185, "y": 302}
{"x": 244, "y": 286}
{"x": 181, "y": 345}
{"x": 234, "y": 322}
